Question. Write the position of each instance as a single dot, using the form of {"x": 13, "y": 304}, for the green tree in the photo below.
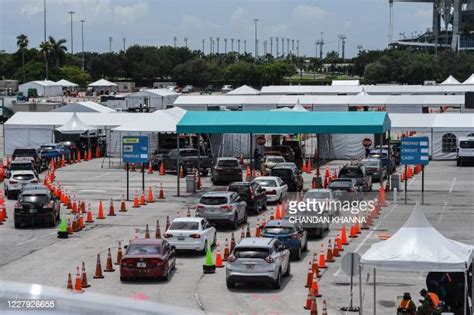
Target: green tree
{"x": 22, "y": 44}
{"x": 375, "y": 72}
{"x": 242, "y": 72}
{"x": 75, "y": 74}
{"x": 275, "y": 73}
{"x": 195, "y": 72}
{"x": 58, "y": 51}
{"x": 46, "y": 48}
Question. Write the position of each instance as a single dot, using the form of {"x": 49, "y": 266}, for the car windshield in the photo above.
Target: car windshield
{"x": 179, "y": 225}
{"x": 317, "y": 195}
{"x": 228, "y": 163}
{"x": 351, "y": 172}
{"x": 373, "y": 163}
{"x": 38, "y": 199}
{"x": 21, "y": 166}
{"x": 275, "y": 159}
{"x": 23, "y": 176}
{"x": 241, "y": 189}
{"x": 281, "y": 172}
{"x": 213, "y": 201}
{"x": 266, "y": 182}
{"x": 466, "y": 144}
{"x": 188, "y": 153}
{"x": 251, "y": 252}
{"x": 143, "y": 249}
{"x": 278, "y": 230}
{"x": 340, "y": 184}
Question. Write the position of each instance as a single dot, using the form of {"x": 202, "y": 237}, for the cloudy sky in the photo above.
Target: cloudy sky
{"x": 155, "y": 22}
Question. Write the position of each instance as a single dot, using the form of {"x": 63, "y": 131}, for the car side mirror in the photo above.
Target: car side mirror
{"x": 125, "y": 247}
{"x": 281, "y": 248}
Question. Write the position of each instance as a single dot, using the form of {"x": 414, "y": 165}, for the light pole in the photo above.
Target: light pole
{"x": 72, "y": 41}
{"x": 218, "y": 45}
{"x": 186, "y": 42}
{"x": 288, "y": 46}
{"x": 232, "y": 45}
{"x": 225, "y": 45}
{"x": 210, "y": 45}
{"x": 123, "y": 42}
{"x": 245, "y": 46}
{"x": 44, "y": 19}
{"x": 203, "y": 43}
{"x": 110, "y": 44}
{"x": 82, "y": 41}
{"x": 271, "y": 46}
{"x": 238, "y": 46}
{"x": 174, "y": 41}
{"x": 321, "y": 44}
{"x": 297, "y": 48}
{"x": 277, "y": 39}
{"x": 256, "y": 43}
{"x": 292, "y": 46}
{"x": 282, "y": 47}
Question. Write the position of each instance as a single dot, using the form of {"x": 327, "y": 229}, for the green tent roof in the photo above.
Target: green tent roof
{"x": 283, "y": 122}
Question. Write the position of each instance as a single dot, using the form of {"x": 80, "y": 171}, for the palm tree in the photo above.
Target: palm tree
{"x": 46, "y": 48}
{"x": 22, "y": 43}
{"x": 58, "y": 50}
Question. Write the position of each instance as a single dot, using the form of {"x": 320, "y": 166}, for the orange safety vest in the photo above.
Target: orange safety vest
{"x": 405, "y": 303}
{"x": 434, "y": 299}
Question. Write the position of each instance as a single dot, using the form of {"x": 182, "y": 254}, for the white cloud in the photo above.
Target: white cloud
{"x": 310, "y": 12}
{"x": 132, "y": 12}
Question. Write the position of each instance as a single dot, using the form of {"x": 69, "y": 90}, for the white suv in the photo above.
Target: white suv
{"x": 15, "y": 181}
{"x": 258, "y": 259}
{"x": 465, "y": 150}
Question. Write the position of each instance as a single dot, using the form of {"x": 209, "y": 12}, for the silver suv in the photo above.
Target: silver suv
{"x": 16, "y": 180}
{"x": 258, "y": 259}
{"x": 222, "y": 207}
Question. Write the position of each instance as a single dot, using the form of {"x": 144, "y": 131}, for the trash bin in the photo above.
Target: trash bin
{"x": 395, "y": 181}
{"x": 190, "y": 184}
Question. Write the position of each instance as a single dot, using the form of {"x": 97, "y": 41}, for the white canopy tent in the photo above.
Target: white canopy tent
{"x": 469, "y": 80}
{"x": 67, "y": 84}
{"x": 103, "y": 85}
{"x": 45, "y": 88}
{"x": 75, "y": 126}
{"x": 84, "y": 107}
{"x": 450, "y": 81}
{"x": 418, "y": 247}
{"x": 244, "y": 90}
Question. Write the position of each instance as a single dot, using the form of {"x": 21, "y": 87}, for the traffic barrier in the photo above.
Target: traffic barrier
{"x": 111, "y": 208}
{"x": 123, "y": 206}
{"x": 89, "y": 215}
{"x": 322, "y": 259}
{"x": 74, "y": 205}
{"x": 119, "y": 254}
{"x": 209, "y": 266}
{"x": 69, "y": 282}
{"x": 100, "y": 212}
{"x": 82, "y": 225}
{"x": 383, "y": 202}
{"x": 147, "y": 231}
{"x": 82, "y": 206}
{"x": 344, "y": 235}
{"x": 232, "y": 242}
{"x": 309, "y": 276}
{"x": 303, "y": 167}
{"x": 157, "y": 231}
{"x": 78, "y": 283}
{"x": 142, "y": 199}
{"x": 98, "y": 269}
{"x": 219, "y": 263}
{"x": 315, "y": 287}
{"x": 151, "y": 199}
{"x": 309, "y": 300}
{"x": 226, "y": 250}
{"x": 278, "y": 212}
{"x": 162, "y": 192}
{"x": 257, "y": 228}
{"x": 136, "y": 203}
{"x": 85, "y": 284}
{"x": 109, "y": 264}
{"x": 329, "y": 257}
{"x": 63, "y": 233}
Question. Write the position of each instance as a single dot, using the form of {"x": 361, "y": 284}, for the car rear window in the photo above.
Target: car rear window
{"x": 21, "y": 166}
{"x": 281, "y": 172}
{"x": 266, "y": 182}
{"x": 213, "y": 201}
{"x": 275, "y": 159}
{"x": 228, "y": 163}
{"x": 340, "y": 184}
{"x": 47, "y": 148}
{"x": 25, "y": 152}
{"x": 317, "y": 195}
{"x": 241, "y": 189}
{"x": 23, "y": 176}
{"x": 351, "y": 172}
{"x": 38, "y": 199}
{"x": 371, "y": 163}
{"x": 143, "y": 249}
{"x": 185, "y": 226}
{"x": 278, "y": 230}
{"x": 188, "y": 153}
{"x": 251, "y": 252}
{"x": 466, "y": 144}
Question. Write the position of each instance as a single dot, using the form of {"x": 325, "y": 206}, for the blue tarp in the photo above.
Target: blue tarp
{"x": 284, "y": 122}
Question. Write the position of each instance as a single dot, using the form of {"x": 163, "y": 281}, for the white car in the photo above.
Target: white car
{"x": 191, "y": 233}
{"x": 269, "y": 162}
{"x": 15, "y": 180}
{"x": 275, "y": 189}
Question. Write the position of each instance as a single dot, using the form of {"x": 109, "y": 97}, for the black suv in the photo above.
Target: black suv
{"x": 226, "y": 169}
{"x": 33, "y": 154}
{"x": 36, "y": 206}
{"x": 358, "y": 172}
{"x": 252, "y": 194}
{"x": 289, "y": 174}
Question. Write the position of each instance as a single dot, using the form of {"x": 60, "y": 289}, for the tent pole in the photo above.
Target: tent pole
{"x": 375, "y": 294}
{"x": 465, "y": 305}
{"x": 360, "y": 291}
{"x": 177, "y": 164}
{"x": 251, "y": 155}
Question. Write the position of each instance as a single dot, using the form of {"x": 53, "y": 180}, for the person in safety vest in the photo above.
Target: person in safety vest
{"x": 407, "y": 306}
{"x": 429, "y": 304}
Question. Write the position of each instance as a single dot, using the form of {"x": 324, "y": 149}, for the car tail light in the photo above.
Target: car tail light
{"x": 195, "y": 236}
{"x": 127, "y": 262}
{"x": 167, "y": 235}
{"x": 34, "y": 181}
{"x": 231, "y": 258}
{"x": 155, "y": 261}
{"x": 271, "y": 192}
{"x": 199, "y": 208}
{"x": 226, "y": 208}
{"x": 251, "y": 193}
{"x": 379, "y": 169}
{"x": 294, "y": 236}
{"x": 269, "y": 259}
{"x": 12, "y": 181}
{"x": 48, "y": 205}
{"x": 18, "y": 205}
{"x": 350, "y": 190}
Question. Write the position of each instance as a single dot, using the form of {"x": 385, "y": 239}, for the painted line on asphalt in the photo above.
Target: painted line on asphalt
{"x": 442, "y": 212}
{"x": 36, "y": 238}
{"x": 452, "y": 185}
{"x": 368, "y": 235}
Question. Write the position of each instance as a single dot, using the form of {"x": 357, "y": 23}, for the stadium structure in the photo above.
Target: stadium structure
{"x": 457, "y": 31}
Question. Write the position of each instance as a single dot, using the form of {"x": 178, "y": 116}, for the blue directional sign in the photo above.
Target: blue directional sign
{"x": 415, "y": 150}
{"x": 135, "y": 149}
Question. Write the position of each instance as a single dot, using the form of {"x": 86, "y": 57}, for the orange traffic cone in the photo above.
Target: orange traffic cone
{"x": 158, "y": 231}
{"x": 89, "y": 216}
{"x": 147, "y": 231}
{"x": 383, "y": 202}
{"x": 325, "y": 308}
{"x": 315, "y": 286}
{"x": 151, "y": 199}
{"x": 167, "y": 225}
{"x": 162, "y": 193}
{"x": 83, "y": 206}
{"x": 344, "y": 235}
{"x": 329, "y": 257}
{"x": 123, "y": 206}
{"x": 219, "y": 263}
{"x": 69, "y": 226}
{"x": 84, "y": 277}
{"x": 69, "y": 282}
{"x": 78, "y": 283}
{"x": 257, "y": 228}
{"x": 109, "y": 264}
{"x": 74, "y": 205}
{"x": 150, "y": 168}
{"x": 314, "y": 306}
{"x": 309, "y": 276}
{"x": 335, "y": 250}
{"x": 322, "y": 259}
{"x": 339, "y": 243}
{"x": 119, "y": 254}
{"x": 278, "y": 212}
{"x": 111, "y": 208}
{"x": 352, "y": 231}
{"x": 82, "y": 225}
{"x": 247, "y": 172}
{"x": 309, "y": 300}
{"x": 162, "y": 169}
{"x": 308, "y": 167}
{"x": 226, "y": 250}
{"x": 100, "y": 213}
{"x": 136, "y": 203}
{"x": 181, "y": 172}
{"x": 98, "y": 269}
{"x": 232, "y": 242}
{"x": 315, "y": 267}
{"x": 142, "y": 199}
{"x": 247, "y": 232}
{"x": 303, "y": 167}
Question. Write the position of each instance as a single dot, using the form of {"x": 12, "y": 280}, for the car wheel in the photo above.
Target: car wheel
{"x": 17, "y": 225}
{"x": 235, "y": 223}
{"x": 276, "y": 284}
{"x": 203, "y": 251}
{"x": 123, "y": 279}
{"x": 230, "y": 284}
{"x": 215, "y": 240}
{"x": 264, "y": 206}
{"x": 166, "y": 276}
{"x": 305, "y": 247}
{"x": 297, "y": 255}
{"x": 288, "y": 270}
{"x": 53, "y": 220}
{"x": 244, "y": 220}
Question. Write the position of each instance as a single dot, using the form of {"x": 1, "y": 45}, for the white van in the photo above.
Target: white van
{"x": 465, "y": 150}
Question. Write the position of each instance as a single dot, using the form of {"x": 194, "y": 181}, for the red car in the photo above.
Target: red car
{"x": 148, "y": 258}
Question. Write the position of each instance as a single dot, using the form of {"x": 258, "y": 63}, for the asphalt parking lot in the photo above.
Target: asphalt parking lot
{"x": 38, "y": 256}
